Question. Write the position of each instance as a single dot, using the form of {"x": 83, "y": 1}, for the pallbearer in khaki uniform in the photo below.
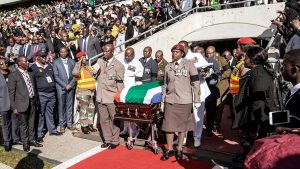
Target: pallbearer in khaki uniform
{"x": 162, "y": 63}
{"x": 181, "y": 85}
{"x": 86, "y": 86}
{"x": 110, "y": 81}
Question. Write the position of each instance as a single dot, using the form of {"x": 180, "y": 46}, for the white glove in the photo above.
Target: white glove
{"x": 197, "y": 105}
{"x": 162, "y": 106}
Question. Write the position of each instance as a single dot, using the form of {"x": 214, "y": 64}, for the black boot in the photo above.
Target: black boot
{"x": 167, "y": 154}
{"x": 91, "y": 129}
{"x": 85, "y": 130}
{"x": 178, "y": 155}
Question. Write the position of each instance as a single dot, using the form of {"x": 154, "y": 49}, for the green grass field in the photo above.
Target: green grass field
{"x": 19, "y": 160}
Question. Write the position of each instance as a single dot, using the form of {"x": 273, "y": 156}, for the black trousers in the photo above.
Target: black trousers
{"x": 219, "y": 113}
{"x": 27, "y": 123}
{"x": 211, "y": 109}
{"x": 10, "y": 128}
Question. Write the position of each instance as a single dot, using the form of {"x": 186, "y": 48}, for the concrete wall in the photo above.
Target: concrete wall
{"x": 256, "y": 16}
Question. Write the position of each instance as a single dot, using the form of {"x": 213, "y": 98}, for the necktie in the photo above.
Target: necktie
{"x": 65, "y": 62}
{"x": 176, "y": 65}
{"x": 28, "y": 84}
{"x": 84, "y": 45}
{"x": 106, "y": 63}
{"x": 34, "y": 52}
{"x": 25, "y": 50}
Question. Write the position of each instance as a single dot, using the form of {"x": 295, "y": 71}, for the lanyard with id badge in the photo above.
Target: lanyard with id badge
{"x": 49, "y": 79}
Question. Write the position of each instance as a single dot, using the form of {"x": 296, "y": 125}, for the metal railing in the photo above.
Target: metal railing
{"x": 162, "y": 26}
{"x": 109, "y": 3}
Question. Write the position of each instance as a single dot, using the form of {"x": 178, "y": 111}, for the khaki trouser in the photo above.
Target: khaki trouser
{"x": 85, "y": 107}
{"x": 109, "y": 130}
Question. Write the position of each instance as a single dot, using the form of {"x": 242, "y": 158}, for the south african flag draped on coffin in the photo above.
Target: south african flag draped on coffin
{"x": 149, "y": 93}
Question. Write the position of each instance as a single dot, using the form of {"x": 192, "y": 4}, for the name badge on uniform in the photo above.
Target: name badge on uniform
{"x": 112, "y": 76}
{"x": 49, "y": 80}
{"x": 195, "y": 60}
{"x": 131, "y": 68}
{"x": 181, "y": 72}
{"x": 41, "y": 70}
{"x": 161, "y": 73}
{"x": 147, "y": 71}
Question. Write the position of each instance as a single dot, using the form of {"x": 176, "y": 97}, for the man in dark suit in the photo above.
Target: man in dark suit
{"x": 26, "y": 50}
{"x": 230, "y": 59}
{"x": 291, "y": 73}
{"x": 89, "y": 44}
{"x": 10, "y": 124}
{"x": 65, "y": 85}
{"x": 150, "y": 66}
{"x": 23, "y": 97}
{"x": 36, "y": 47}
{"x": 52, "y": 41}
{"x": 65, "y": 42}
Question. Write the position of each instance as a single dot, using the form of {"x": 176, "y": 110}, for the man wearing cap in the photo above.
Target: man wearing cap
{"x": 44, "y": 78}
{"x": 86, "y": 86}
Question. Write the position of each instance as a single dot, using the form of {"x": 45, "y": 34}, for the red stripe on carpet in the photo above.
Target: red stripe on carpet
{"x": 121, "y": 158}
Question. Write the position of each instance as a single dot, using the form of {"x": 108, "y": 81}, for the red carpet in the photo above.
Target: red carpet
{"x": 121, "y": 158}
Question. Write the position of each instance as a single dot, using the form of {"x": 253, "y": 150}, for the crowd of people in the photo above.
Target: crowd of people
{"x": 44, "y": 67}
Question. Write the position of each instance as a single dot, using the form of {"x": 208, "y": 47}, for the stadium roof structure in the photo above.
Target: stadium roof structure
{"x": 7, "y": 2}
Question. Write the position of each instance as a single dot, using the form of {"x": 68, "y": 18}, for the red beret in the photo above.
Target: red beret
{"x": 246, "y": 41}
{"x": 80, "y": 54}
{"x": 178, "y": 47}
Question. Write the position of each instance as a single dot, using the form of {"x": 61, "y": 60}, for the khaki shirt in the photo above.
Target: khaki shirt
{"x": 181, "y": 85}
{"x": 110, "y": 80}
{"x": 223, "y": 85}
{"x": 161, "y": 69}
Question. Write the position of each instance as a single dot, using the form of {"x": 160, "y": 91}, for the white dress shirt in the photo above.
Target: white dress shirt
{"x": 65, "y": 63}
{"x": 132, "y": 69}
{"x": 295, "y": 88}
